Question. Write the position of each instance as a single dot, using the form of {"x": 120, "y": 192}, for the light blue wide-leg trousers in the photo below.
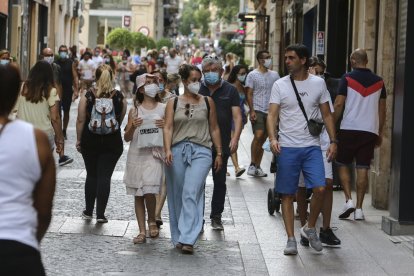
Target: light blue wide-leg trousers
{"x": 185, "y": 190}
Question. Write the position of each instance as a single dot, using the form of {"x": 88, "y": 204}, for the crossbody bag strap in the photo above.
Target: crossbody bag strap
{"x": 298, "y": 98}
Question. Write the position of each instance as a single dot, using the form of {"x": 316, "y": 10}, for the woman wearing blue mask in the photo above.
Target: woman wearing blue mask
{"x": 237, "y": 78}
{"x": 4, "y": 57}
{"x": 165, "y": 88}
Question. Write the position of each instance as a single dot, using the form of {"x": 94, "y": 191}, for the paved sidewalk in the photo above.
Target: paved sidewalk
{"x": 251, "y": 244}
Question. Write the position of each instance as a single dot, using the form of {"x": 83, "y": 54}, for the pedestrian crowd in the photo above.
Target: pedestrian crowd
{"x": 176, "y": 139}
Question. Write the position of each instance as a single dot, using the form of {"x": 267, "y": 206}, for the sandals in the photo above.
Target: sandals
{"x": 153, "y": 230}
{"x": 240, "y": 171}
{"x": 141, "y": 238}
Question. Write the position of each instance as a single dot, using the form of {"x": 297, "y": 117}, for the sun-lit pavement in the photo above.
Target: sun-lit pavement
{"x": 251, "y": 244}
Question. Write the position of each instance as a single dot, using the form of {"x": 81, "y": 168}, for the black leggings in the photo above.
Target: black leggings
{"x": 99, "y": 169}
{"x": 19, "y": 259}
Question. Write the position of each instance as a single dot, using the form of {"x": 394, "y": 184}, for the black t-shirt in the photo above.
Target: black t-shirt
{"x": 65, "y": 74}
{"x": 224, "y": 98}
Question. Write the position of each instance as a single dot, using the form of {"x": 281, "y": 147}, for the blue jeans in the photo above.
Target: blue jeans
{"x": 185, "y": 190}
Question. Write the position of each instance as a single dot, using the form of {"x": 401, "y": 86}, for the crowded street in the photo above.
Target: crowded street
{"x": 206, "y": 137}
{"x": 250, "y": 244}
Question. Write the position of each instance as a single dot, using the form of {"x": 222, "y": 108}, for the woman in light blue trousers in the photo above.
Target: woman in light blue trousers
{"x": 189, "y": 132}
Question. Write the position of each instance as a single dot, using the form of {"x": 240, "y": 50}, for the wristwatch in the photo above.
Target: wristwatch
{"x": 334, "y": 142}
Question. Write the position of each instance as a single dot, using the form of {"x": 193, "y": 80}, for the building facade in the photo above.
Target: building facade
{"x": 31, "y": 25}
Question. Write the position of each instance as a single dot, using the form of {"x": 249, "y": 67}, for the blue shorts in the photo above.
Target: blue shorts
{"x": 291, "y": 161}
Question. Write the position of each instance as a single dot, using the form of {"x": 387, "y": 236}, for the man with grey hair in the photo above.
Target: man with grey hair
{"x": 227, "y": 101}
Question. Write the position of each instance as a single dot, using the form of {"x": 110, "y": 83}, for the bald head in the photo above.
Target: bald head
{"x": 47, "y": 52}
{"x": 359, "y": 58}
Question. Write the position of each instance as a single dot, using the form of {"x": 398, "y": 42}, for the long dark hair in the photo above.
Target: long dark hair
{"x": 236, "y": 69}
{"x": 39, "y": 82}
{"x": 9, "y": 88}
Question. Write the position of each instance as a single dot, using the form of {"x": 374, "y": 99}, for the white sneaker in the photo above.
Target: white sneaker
{"x": 348, "y": 208}
{"x": 260, "y": 173}
{"x": 359, "y": 215}
{"x": 251, "y": 170}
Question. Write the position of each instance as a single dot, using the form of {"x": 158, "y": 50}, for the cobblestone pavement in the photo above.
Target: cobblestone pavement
{"x": 251, "y": 244}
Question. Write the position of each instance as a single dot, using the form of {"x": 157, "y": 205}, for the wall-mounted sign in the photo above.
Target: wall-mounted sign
{"x": 320, "y": 43}
{"x": 126, "y": 21}
{"x": 144, "y": 30}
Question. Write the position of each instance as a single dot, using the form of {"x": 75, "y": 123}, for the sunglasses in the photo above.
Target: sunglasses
{"x": 189, "y": 111}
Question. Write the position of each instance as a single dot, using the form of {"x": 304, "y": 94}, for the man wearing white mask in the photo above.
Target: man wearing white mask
{"x": 50, "y": 58}
{"x": 227, "y": 101}
{"x": 259, "y": 84}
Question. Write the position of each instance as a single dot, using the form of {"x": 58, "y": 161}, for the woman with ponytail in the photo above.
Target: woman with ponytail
{"x": 100, "y": 152}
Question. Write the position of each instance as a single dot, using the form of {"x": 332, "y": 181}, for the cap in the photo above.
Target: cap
{"x": 141, "y": 79}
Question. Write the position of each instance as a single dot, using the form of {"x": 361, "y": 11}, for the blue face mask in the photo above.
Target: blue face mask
{"x": 63, "y": 54}
{"x": 161, "y": 87}
{"x": 211, "y": 77}
{"x": 4, "y": 61}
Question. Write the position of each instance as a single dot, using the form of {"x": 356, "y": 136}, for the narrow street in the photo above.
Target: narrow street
{"x": 252, "y": 242}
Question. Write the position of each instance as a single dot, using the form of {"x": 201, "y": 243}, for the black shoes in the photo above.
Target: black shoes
{"x": 217, "y": 224}
{"x": 328, "y": 238}
{"x": 304, "y": 241}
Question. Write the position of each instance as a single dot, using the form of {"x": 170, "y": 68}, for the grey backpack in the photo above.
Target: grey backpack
{"x": 103, "y": 118}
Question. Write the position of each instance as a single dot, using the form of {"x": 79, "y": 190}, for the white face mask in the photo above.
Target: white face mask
{"x": 242, "y": 78}
{"x": 49, "y": 59}
{"x": 194, "y": 87}
{"x": 268, "y": 63}
{"x": 151, "y": 90}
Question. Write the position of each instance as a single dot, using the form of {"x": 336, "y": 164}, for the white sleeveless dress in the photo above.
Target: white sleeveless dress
{"x": 144, "y": 173}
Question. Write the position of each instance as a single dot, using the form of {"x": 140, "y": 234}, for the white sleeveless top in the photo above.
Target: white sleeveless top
{"x": 20, "y": 170}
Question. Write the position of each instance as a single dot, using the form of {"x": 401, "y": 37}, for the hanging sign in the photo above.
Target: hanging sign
{"x": 320, "y": 43}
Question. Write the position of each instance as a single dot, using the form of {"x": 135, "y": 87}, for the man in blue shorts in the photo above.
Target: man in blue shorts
{"x": 297, "y": 148}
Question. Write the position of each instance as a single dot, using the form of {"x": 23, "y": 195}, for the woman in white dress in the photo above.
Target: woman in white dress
{"x": 145, "y": 162}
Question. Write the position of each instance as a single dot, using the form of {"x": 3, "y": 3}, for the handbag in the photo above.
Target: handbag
{"x": 314, "y": 127}
{"x": 149, "y": 135}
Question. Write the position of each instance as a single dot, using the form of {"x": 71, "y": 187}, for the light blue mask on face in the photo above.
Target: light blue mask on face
{"x": 211, "y": 77}
{"x": 63, "y": 54}
{"x": 161, "y": 87}
{"x": 4, "y": 61}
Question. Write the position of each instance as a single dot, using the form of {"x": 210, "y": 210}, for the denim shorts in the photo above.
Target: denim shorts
{"x": 292, "y": 161}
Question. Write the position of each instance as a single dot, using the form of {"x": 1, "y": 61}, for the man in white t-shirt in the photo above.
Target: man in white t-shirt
{"x": 259, "y": 84}
{"x": 173, "y": 62}
{"x": 97, "y": 59}
{"x": 297, "y": 148}
{"x": 86, "y": 68}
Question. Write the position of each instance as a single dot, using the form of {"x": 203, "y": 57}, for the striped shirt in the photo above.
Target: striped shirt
{"x": 262, "y": 84}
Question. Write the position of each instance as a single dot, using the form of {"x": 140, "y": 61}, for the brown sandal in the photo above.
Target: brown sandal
{"x": 153, "y": 230}
{"x": 141, "y": 238}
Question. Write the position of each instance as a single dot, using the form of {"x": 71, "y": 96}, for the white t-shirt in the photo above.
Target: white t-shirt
{"x": 98, "y": 61}
{"x": 262, "y": 84}
{"x": 172, "y": 64}
{"x": 325, "y": 141}
{"x": 293, "y": 130}
{"x": 87, "y": 69}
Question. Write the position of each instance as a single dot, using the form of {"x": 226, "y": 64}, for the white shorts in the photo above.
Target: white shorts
{"x": 328, "y": 170}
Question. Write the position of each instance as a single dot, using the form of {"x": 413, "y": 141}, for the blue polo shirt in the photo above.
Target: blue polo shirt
{"x": 225, "y": 97}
